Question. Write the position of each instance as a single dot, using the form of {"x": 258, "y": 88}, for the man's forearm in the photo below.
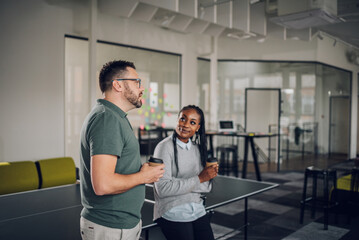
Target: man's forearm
{"x": 118, "y": 183}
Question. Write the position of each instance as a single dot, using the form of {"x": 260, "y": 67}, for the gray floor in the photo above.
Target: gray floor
{"x": 315, "y": 230}
{"x": 275, "y": 215}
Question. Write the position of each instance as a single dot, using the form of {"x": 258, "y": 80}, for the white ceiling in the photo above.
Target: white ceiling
{"x": 240, "y": 19}
{"x": 347, "y": 31}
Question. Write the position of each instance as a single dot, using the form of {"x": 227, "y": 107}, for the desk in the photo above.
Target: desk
{"x": 248, "y": 138}
{"x": 54, "y": 213}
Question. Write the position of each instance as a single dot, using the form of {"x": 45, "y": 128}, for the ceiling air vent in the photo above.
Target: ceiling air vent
{"x": 306, "y": 19}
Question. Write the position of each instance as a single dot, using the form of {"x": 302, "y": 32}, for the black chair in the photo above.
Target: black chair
{"x": 347, "y": 193}
{"x": 228, "y": 159}
{"x": 326, "y": 175}
{"x": 352, "y": 205}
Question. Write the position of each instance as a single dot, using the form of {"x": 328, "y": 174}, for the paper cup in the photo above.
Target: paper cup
{"x": 155, "y": 161}
{"x": 211, "y": 161}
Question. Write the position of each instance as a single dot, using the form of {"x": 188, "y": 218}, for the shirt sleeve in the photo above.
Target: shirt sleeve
{"x": 169, "y": 185}
{"x": 104, "y": 135}
{"x": 203, "y": 187}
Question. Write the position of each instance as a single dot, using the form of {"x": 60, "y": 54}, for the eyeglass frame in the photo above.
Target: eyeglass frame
{"x": 130, "y": 79}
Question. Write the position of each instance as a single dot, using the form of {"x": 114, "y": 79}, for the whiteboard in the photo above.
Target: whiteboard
{"x": 262, "y": 109}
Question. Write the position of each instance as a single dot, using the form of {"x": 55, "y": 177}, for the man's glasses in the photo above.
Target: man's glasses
{"x": 130, "y": 79}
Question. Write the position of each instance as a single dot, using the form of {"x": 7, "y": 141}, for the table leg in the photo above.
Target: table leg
{"x": 147, "y": 234}
{"x": 245, "y": 158}
{"x": 255, "y": 160}
{"x": 245, "y": 218}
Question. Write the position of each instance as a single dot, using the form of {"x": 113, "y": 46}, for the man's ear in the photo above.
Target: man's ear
{"x": 116, "y": 85}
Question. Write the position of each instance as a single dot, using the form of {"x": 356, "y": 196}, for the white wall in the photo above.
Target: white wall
{"x": 271, "y": 49}
{"x": 31, "y": 79}
{"x": 32, "y": 66}
{"x": 334, "y": 54}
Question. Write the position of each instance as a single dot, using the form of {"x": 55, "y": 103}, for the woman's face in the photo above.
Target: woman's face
{"x": 188, "y": 124}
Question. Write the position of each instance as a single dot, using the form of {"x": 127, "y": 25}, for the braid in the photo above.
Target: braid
{"x": 175, "y": 152}
{"x": 202, "y": 138}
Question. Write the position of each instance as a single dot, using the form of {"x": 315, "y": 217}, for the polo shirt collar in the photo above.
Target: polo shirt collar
{"x": 113, "y": 107}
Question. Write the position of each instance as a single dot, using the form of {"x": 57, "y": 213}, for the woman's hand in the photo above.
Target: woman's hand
{"x": 208, "y": 173}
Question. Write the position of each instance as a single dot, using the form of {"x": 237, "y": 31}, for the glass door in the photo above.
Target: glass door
{"x": 339, "y": 126}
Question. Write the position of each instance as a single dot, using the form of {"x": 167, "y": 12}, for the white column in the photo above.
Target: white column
{"x": 214, "y": 85}
{"x": 354, "y": 116}
{"x": 93, "y": 82}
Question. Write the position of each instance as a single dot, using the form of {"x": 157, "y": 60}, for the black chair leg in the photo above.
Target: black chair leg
{"x": 314, "y": 196}
{"x": 326, "y": 198}
{"x": 326, "y": 202}
{"x": 235, "y": 164}
{"x": 334, "y": 197}
{"x": 224, "y": 162}
{"x": 304, "y": 195}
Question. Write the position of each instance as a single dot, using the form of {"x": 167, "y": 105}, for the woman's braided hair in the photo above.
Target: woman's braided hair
{"x": 200, "y": 138}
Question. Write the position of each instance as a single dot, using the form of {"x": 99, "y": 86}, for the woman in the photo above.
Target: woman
{"x": 179, "y": 209}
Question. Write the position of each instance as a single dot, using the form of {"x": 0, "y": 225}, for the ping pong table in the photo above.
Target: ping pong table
{"x": 54, "y": 213}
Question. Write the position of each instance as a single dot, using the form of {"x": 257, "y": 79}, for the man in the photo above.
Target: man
{"x": 112, "y": 178}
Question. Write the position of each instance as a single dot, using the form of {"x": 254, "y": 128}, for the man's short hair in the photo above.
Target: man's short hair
{"x": 112, "y": 70}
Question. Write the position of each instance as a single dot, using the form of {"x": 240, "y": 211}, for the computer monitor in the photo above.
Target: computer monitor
{"x": 226, "y": 126}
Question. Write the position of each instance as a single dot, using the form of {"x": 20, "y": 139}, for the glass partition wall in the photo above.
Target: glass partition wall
{"x": 160, "y": 74}
{"x": 77, "y": 93}
{"x": 315, "y": 107}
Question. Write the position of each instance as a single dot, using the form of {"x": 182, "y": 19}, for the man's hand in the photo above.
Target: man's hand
{"x": 152, "y": 174}
{"x": 208, "y": 173}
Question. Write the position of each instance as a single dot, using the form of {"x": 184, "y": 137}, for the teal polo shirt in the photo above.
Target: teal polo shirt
{"x": 106, "y": 130}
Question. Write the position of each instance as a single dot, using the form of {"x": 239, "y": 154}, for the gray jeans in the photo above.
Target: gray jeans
{"x": 93, "y": 231}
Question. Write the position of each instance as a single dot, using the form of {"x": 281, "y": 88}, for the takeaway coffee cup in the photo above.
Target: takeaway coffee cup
{"x": 211, "y": 161}
{"x": 155, "y": 161}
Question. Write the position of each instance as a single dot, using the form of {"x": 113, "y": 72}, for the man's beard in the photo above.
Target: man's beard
{"x": 131, "y": 97}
